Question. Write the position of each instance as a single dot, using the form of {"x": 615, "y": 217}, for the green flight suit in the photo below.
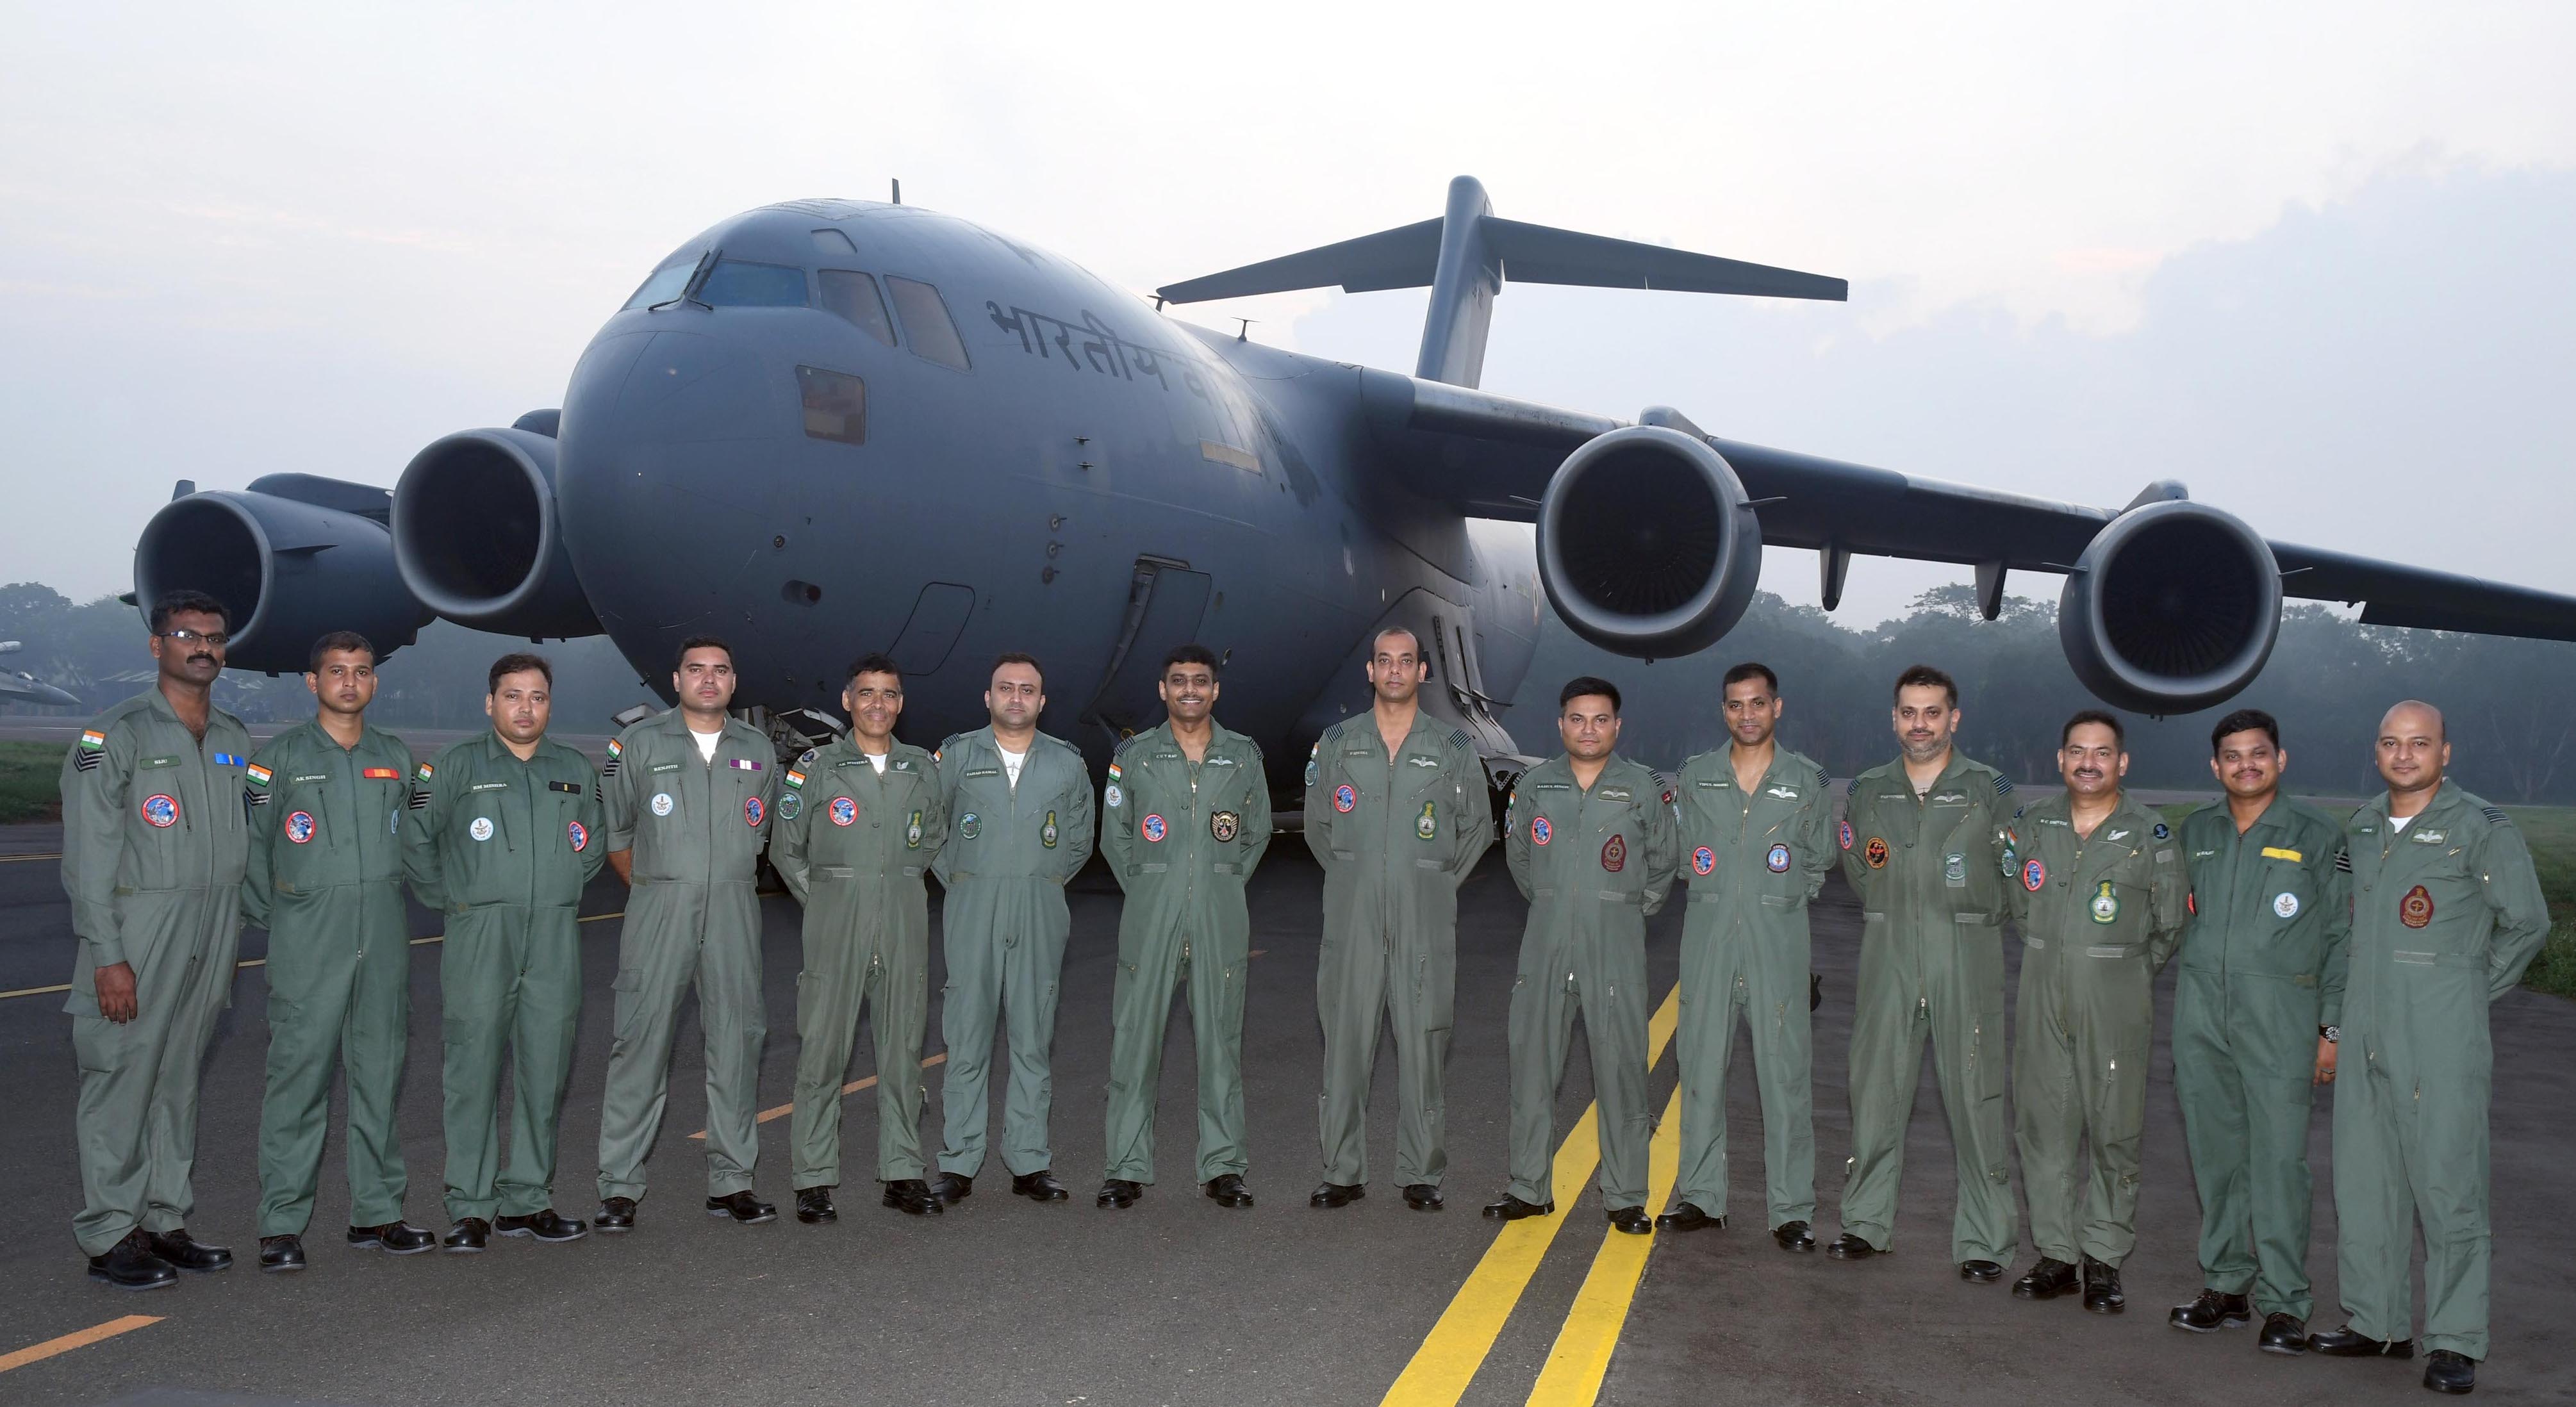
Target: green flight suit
{"x": 326, "y": 881}
{"x": 852, "y": 844}
{"x": 502, "y": 848}
{"x": 154, "y": 843}
{"x": 1754, "y": 860}
{"x": 1182, "y": 837}
{"x": 2262, "y": 969}
{"x": 1394, "y": 849}
{"x": 2445, "y": 916}
{"x": 695, "y": 825}
{"x": 1928, "y": 869}
{"x": 1594, "y": 865}
{"x": 1011, "y": 850}
{"x": 2099, "y": 916}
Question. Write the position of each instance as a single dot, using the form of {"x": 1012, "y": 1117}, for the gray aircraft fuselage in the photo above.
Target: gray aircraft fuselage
{"x": 1097, "y": 485}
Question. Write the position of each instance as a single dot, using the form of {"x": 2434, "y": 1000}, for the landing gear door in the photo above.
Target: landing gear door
{"x": 1454, "y": 664}
{"x": 1165, "y": 603}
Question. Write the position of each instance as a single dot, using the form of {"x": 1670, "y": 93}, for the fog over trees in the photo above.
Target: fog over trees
{"x": 2511, "y": 703}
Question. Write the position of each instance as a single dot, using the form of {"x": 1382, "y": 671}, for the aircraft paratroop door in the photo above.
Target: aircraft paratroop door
{"x": 1455, "y": 664}
{"x": 1165, "y": 603}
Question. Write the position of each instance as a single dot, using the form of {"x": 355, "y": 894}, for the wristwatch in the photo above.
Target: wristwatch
{"x": 2333, "y": 1035}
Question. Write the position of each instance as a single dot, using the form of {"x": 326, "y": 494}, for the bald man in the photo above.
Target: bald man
{"x": 2446, "y": 913}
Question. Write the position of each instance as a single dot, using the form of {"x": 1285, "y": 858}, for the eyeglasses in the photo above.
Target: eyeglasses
{"x": 190, "y": 637}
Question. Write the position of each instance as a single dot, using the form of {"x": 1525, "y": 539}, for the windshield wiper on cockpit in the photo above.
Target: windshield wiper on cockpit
{"x": 689, "y": 290}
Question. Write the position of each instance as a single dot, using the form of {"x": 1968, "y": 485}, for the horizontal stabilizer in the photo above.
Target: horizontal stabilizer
{"x": 1408, "y": 255}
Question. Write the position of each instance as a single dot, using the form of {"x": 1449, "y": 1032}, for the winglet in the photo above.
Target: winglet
{"x": 1470, "y": 252}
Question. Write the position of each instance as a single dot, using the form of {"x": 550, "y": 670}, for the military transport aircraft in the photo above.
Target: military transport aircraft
{"x": 827, "y": 427}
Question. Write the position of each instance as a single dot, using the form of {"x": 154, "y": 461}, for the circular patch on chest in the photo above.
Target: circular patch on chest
{"x": 1778, "y": 860}
{"x": 844, "y": 811}
{"x": 2285, "y": 904}
{"x": 752, "y": 811}
{"x": 1153, "y": 829}
{"x": 1875, "y": 853}
{"x": 1345, "y": 797}
{"x": 578, "y": 834}
{"x": 299, "y": 827}
{"x": 1846, "y": 835}
{"x": 1539, "y": 831}
{"x": 661, "y": 803}
{"x": 2033, "y": 875}
{"x": 1703, "y": 861}
{"x": 481, "y": 829}
{"x": 160, "y": 811}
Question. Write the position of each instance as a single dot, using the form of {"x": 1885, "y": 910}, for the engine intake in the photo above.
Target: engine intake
{"x": 2173, "y": 607}
{"x": 1647, "y": 545}
{"x": 479, "y": 537}
{"x": 289, "y": 571}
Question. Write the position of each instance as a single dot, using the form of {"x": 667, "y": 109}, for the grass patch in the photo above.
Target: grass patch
{"x": 30, "y": 777}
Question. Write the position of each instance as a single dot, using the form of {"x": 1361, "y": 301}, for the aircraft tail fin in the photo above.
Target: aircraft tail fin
{"x": 1470, "y": 252}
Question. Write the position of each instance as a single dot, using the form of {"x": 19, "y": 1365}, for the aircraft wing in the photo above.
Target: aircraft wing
{"x": 1491, "y": 456}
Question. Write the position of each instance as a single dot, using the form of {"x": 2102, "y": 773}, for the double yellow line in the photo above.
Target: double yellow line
{"x": 1458, "y": 1345}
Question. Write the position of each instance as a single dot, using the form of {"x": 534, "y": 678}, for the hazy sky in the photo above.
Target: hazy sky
{"x": 2312, "y": 259}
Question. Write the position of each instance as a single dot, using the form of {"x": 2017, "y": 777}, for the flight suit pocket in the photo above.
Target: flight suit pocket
{"x": 628, "y": 1006}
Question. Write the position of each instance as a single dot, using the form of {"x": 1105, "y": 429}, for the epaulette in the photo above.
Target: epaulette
{"x": 1821, "y": 778}
{"x": 2003, "y": 785}
{"x": 2494, "y": 814}
{"x": 1458, "y": 738}
{"x": 1852, "y": 787}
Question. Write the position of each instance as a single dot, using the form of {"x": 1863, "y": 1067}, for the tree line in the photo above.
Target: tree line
{"x": 2329, "y": 680}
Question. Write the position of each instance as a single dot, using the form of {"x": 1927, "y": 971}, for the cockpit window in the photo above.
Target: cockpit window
{"x": 734, "y": 283}
{"x": 926, "y": 325}
{"x": 854, "y": 296}
{"x": 834, "y": 242}
{"x": 836, "y": 405}
{"x": 664, "y": 285}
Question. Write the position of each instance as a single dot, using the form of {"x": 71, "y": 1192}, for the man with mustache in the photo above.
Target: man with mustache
{"x": 502, "y": 834}
{"x": 1755, "y": 821}
{"x": 1397, "y": 813}
{"x": 2446, "y": 913}
{"x": 688, "y": 800}
{"x": 1185, "y": 820}
{"x": 858, "y": 824}
{"x": 2098, "y": 894}
{"x": 154, "y": 849}
{"x": 326, "y": 805}
{"x": 1922, "y": 842}
{"x": 2256, "y": 1007}
{"x": 1593, "y": 847}
{"x": 1019, "y": 803}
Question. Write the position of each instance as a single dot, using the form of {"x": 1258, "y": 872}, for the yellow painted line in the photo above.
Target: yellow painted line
{"x": 263, "y": 962}
{"x": 1456, "y": 1346}
{"x": 15, "y": 859}
{"x": 1581, "y": 1357}
{"x": 38, "y": 1352}
{"x": 853, "y": 1087}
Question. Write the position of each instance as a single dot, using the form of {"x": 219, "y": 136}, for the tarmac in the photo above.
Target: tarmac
{"x": 1175, "y": 1301}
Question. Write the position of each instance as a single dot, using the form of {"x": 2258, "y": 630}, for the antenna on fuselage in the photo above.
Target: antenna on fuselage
{"x": 1244, "y": 333}
{"x": 898, "y": 190}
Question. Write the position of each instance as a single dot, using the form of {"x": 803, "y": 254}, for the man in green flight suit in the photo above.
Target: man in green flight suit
{"x": 688, "y": 799}
{"x": 1593, "y": 846}
{"x": 1184, "y": 822}
{"x": 2098, "y": 894}
{"x": 154, "y": 845}
{"x": 1397, "y": 812}
{"x": 1020, "y": 826}
{"x": 2256, "y": 1007}
{"x": 2446, "y": 913}
{"x": 1922, "y": 842}
{"x": 858, "y": 824}
{"x": 326, "y": 876}
{"x": 1756, "y": 827}
{"x": 503, "y": 832}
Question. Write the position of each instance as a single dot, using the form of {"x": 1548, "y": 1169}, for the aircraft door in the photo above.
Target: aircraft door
{"x": 1165, "y": 603}
{"x": 1454, "y": 663}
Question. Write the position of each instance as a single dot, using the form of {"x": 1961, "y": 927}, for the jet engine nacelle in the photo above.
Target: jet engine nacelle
{"x": 479, "y": 535}
{"x": 290, "y": 570}
{"x": 2173, "y": 607}
{"x": 1647, "y": 545}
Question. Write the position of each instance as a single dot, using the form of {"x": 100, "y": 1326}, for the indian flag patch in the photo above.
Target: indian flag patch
{"x": 93, "y": 739}
{"x": 1114, "y": 773}
{"x": 258, "y": 775}
{"x": 614, "y": 750}
{"x": 425, "y": 771}
{"x": 795, "y": 778}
